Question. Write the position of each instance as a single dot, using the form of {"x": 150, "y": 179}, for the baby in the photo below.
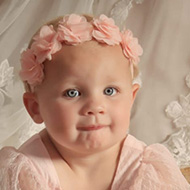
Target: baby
{"x": 78, "y": 73}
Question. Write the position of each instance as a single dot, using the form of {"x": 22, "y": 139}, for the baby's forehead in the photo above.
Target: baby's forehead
{"x": 88, "y": 50}
{"x": 87, "y": 58}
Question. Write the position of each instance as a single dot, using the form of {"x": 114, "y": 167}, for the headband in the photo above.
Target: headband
{"x": 72, "y": 30}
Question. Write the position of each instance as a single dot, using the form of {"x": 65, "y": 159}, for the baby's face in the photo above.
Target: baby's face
{"x": 86, "y": 97}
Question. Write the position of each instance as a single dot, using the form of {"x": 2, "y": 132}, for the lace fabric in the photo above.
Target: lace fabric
{"x": 179, "y": 142}
{"x": 140, "y": 167}
{"x": 156, "y": 158}
{"x": 12, "y": 111}
{"x": 9, "y": 11}
{"x": 6, "y": 81}
{"x": 121, "y": 9}
{"x": 19, "y": 168}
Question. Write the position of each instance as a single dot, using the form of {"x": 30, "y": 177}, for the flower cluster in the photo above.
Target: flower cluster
{"x": 72, "y": 30}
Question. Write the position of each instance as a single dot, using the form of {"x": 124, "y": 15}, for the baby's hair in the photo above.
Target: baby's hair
{"x": 55, "y": 24}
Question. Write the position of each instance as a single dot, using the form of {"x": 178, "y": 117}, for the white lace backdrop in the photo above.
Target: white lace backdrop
{"x": 163, "y": 29}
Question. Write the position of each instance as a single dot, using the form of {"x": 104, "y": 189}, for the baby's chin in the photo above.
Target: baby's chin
{"x": 94, "y": 143}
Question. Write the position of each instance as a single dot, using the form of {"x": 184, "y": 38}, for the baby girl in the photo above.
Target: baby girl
{"x": 79, "y": 76}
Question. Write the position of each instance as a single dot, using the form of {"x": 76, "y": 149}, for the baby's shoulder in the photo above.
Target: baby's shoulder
{"x": 14, "y": 162}
{"x": 158, "y": 170}
{"x": 13, "y": 167}
{"x": 11, "y": 158}
{"x": 154, "y": 153}
{"x": 157, "y": 153}
{"x": 149, "y": 167}
{"x": 21, "y": 169}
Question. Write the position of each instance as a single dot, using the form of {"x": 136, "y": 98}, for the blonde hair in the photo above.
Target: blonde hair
{"x": 55, "y": 23}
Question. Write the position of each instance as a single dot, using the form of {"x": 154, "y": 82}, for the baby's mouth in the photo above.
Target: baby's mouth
{"x": 91, "y": 127}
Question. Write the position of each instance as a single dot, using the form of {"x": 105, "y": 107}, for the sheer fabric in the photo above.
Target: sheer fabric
{"x": 9, "y": 12}
{"x": 140, "y": 167}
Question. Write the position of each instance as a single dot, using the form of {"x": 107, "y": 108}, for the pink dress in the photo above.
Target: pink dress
{"x": 140, "y": 167}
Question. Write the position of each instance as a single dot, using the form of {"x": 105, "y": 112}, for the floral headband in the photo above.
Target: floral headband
{"x": 72, "y": 30}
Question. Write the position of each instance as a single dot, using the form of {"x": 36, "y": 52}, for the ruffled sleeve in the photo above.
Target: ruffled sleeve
{"x": 159, "y": 171}
{"x": 17, "y": 172}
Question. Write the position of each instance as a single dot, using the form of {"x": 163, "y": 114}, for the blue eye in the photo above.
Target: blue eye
{"x": 72, "y": 93}
{"x": 110, "y": 91}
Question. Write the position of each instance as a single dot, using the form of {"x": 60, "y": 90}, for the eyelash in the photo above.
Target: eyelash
{"x": 77, "y": 93}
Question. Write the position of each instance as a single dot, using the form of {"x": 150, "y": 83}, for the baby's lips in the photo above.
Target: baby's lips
{"x": 91, "y": 127}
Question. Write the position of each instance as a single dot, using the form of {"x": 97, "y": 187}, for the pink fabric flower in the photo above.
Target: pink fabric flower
{"x": 31, "y": 69}
{"x": 74, "y": 29}
{"x": 106, "y": 31}
{"x": 131, "y": 49}
{"x": 46, "y": 44}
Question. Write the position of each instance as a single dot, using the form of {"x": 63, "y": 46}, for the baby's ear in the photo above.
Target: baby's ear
{"x": 32, "y": 106}
{"x": 135, "y": 89}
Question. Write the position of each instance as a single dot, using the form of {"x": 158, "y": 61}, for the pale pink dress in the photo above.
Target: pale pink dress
{"x": 140, "y": 167}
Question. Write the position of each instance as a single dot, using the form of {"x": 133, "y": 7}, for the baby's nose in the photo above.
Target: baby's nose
{"x": 95, "y": 111}
{"x": 93, "y": 108}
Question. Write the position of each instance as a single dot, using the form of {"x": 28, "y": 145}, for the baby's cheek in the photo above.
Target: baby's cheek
{"x": 121, "y": 114}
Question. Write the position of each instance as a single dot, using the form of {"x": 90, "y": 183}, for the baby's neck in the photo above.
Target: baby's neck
{"x": 89, "y": 170}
